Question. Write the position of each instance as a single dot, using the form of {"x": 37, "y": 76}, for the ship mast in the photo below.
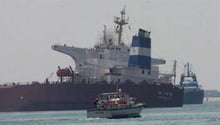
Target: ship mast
{"x": 104, "y": 37}
{"x": 187, "y": 70}
{"x": 120, "y": 22}
{"x": 174, "y": 71}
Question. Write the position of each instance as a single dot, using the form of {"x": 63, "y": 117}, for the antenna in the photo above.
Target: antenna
{"x": 174, "y": 71}
{"x": 187, "y": 70}
{"x": 104, "y": 33}
{"x": 120, "y": 21}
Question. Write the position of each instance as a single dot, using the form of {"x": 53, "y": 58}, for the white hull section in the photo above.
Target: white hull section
{"x": 115, "y": 113}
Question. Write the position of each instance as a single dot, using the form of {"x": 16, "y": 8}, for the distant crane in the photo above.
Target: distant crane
{"x": 47, "y": 79}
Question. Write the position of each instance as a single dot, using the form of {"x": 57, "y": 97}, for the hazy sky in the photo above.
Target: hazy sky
{"x": 185, "y": 30}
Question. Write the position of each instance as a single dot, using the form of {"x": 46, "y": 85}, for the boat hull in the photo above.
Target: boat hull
{"x": 115, "y": 113}
{"x": 193, "y": 96}
{"x": 69, "y": 96}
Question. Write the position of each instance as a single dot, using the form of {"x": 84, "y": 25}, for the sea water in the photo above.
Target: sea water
{"x": 204, "y": 114}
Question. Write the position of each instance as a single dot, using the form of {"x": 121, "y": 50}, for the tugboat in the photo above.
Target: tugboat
{"x": 193, "y": 92}
{"x": 115, "y": 105}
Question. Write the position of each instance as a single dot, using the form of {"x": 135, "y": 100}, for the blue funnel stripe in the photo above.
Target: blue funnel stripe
{"x": 141, "y": 42}
{"x": 143, "y": 62}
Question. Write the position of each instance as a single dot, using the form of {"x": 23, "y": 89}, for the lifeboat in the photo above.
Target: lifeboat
{"x": 66, "y": 72}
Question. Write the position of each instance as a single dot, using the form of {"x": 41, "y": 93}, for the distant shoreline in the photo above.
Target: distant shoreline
{"x": 211, "y": 99}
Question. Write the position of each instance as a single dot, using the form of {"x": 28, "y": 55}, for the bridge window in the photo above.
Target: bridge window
{"x": 101, "y": 56}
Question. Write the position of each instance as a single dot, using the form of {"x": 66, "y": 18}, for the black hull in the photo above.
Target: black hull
{"x": 193, "y": 96}
{"x": 67, "y": 96}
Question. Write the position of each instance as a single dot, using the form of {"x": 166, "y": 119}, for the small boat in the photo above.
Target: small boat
{"x": 115, "y": 105}
{"x": 193, "y": 92}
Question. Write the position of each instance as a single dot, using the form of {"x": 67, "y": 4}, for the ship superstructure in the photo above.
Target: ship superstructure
{"x": 93, "y": 63}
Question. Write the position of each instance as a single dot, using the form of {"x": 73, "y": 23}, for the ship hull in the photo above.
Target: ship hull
{"x": 193, "y": 96}
{"x": 68, "y": 96}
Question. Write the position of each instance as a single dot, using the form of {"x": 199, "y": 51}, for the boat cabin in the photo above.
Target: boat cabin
{"x": 114, "y": 100}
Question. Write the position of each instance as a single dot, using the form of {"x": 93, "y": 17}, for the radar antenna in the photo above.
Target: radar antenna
{"x": 120, "y": 21}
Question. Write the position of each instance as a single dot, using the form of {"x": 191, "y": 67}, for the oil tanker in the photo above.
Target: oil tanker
{"x": 109, "y": 65}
